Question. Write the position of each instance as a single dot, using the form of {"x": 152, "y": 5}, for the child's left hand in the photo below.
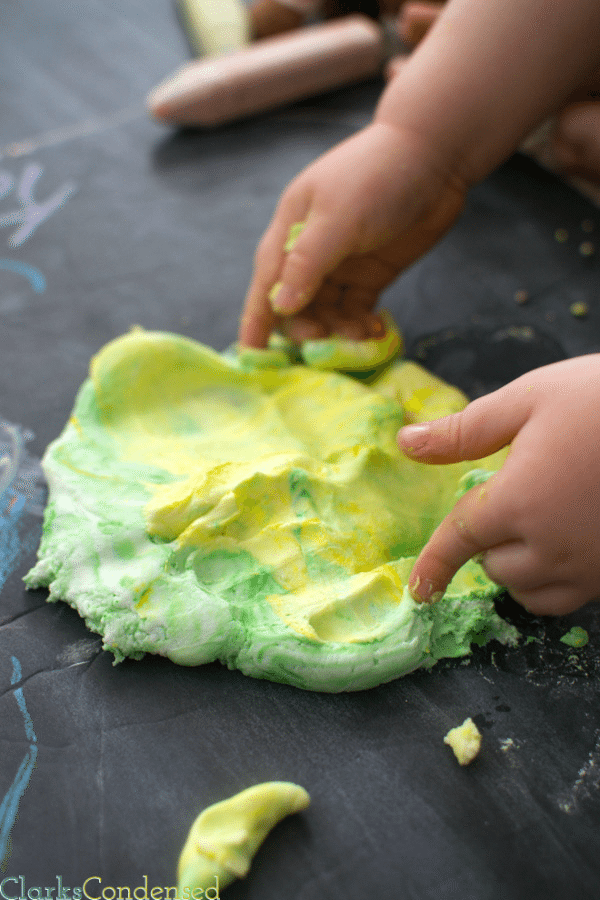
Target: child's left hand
{"x": 536, "y": 522}
{"x": 371, "y": 206}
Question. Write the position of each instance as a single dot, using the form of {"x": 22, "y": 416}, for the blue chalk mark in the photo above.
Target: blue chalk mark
{"x": 18, "y": 488}
{"x": 15, "y": 678}
{"x": 10, "y": 804}
{"x": 33, "y": 275}
{"x": 10, "y": 540}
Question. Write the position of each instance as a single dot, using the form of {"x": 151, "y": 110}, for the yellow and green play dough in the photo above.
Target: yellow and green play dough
{"x": 226, "y": 836}
{"x": 249, "y": 509}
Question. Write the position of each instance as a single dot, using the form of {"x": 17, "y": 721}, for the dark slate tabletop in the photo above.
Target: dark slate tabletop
{"x": 107, "y": 220}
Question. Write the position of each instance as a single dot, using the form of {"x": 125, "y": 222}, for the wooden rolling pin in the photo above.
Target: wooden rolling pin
{"x": 271, "y": 72}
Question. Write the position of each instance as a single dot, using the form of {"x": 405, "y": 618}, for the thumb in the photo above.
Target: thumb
{"x": 316, "y": 252}
{"x": 483, "y": 427}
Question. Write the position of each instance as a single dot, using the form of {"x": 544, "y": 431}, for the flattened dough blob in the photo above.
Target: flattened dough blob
{"x": 205, "y": 509}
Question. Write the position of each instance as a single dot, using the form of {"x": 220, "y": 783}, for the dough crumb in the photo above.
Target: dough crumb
{"x": 576, "y": 637}
{"x": 465, "y": 741}
{"x": 579, "y": 309}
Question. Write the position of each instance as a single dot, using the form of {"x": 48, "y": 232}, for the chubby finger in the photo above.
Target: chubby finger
{"x": 525, "y": 575}
{"x": 415, "y": 20}
{"x": 552, "y": 599}
{"x": 356, "y": 326}
{"x": 515, "y": 565}
{"x": 257, "y": 322}
{"x": 575, "y": 142}
{"x": 484, "y": 426}
{"x": 394, "y": 67}
{"x": 258, "y": 318}
{"x": 317, "y": 251}
{"x": 477, "y": 523}
{"x": 302, "y": 328}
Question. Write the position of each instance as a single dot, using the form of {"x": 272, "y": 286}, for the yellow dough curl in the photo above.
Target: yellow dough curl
{"x": 225, "y": 837}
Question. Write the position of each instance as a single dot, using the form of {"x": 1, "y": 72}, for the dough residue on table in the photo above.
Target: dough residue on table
{"x": 258, "y": 512}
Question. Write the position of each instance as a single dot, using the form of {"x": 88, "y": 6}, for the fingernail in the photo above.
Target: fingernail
{"x": 417, "y": 436}
{"x": 283, "y": 299}
{"x": 421, "y": 590}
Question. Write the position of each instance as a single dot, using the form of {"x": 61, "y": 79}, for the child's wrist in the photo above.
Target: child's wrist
{"x": 422, "y": 152}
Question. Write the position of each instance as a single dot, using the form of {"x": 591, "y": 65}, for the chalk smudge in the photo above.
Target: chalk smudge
{"x": 21, "y": 490}
{"x": 82, "y": 129}
{"x": 29, "y": 213}
{"x": 10, "y": 804}
{"x": 33, "y": 275}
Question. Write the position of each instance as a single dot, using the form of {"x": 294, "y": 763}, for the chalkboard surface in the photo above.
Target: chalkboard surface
{"x": 106, "y": 221}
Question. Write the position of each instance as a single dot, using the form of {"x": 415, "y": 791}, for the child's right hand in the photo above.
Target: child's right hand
{"x": 371, "y": 206}
{"x": 535, "y": 524}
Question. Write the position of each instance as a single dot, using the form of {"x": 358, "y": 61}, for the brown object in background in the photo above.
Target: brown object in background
{"x": 271, "y": 73}
{"x": 268, "y": 17}
{"x": 390, "y": 7}
{"x": 387, "y": 8}
{"x": 334, "y": 8}
{"x": 416, "y": 19}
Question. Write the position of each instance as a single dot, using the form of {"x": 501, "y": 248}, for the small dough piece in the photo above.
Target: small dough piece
{"x": 575, "y": 637}
{"x": 279, "y": 353}
{"x": 271, "y": 358}
{"x": 294, "y": 234}
{"x": 346, "y": 355}
{"x": 225, "y": 837}
{"x": 465, "y": 741}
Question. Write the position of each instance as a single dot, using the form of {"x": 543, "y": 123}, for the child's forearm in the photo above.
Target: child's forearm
{"x": 487, "y": 73}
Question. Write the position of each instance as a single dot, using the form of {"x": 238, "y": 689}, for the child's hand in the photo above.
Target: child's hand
{"x": 536, "y": 522}
{"x": 372, "y": 206}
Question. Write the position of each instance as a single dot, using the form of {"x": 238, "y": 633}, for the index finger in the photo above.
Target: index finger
{"x": 258, "y": 318}
{"x": 475, "y": 524}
